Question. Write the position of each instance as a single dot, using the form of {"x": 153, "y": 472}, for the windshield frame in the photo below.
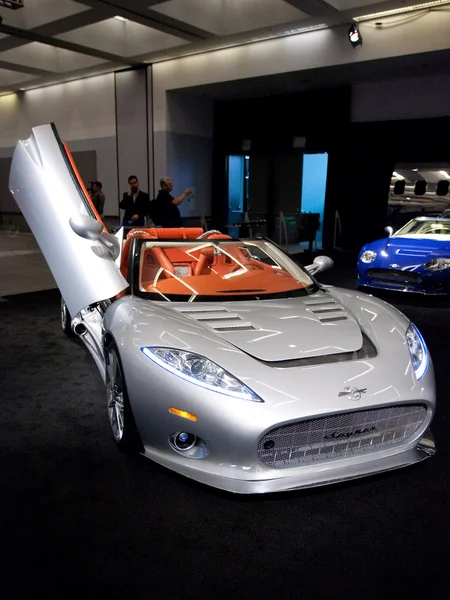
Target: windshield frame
{"x": 135, "y": 266}
{"x": 409, "y": 224}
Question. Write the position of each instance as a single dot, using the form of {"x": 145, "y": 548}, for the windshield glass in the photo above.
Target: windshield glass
{"x": 197, "y": 270}
{"x": 426, "y": 227}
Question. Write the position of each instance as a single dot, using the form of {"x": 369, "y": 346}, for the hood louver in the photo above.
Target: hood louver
{"x": 219, "y": 319}
{"x": 327, "y": 310}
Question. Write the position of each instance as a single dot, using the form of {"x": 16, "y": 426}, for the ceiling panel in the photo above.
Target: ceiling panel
{"x": 13, "y": 77}
{"x": 50, "y": 41}
{"x": 358, "y": 5}
{"x": 43, "y": 56}
{"x": 124, "y": 38}
{"x": 233, "y": 16}
{"x": 40, "y": 12}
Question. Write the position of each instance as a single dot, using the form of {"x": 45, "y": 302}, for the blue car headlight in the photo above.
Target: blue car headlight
{"x": 368, "y": 256}
{"x": 201, "y": 371}
{"x": 417, "y": 350}
{"x": 437, "y": 264}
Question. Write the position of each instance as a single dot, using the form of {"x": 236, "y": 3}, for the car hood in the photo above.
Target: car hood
{"x": 412, "y": 246}
{"x": 275, "y": 330}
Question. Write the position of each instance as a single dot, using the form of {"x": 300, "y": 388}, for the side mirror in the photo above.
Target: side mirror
{"x": 319, "y": 265}
{"x": 86, "y": 227}
{"x": 389, "y": 230}
{"x": 111, "y": 243}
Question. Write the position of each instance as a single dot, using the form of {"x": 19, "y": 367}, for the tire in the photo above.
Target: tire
{"x": 66, "y": 319}
{"x": 121, "y": 420}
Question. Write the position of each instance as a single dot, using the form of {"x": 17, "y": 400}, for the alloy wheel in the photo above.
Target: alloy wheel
{"x": 115, "y": 396}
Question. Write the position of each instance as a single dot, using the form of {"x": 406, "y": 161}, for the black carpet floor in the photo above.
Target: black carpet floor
{"x": 78, "y": 518}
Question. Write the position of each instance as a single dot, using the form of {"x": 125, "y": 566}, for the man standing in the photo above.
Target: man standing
{"x": 98, "y": 197}
{"x": 135, "y": 203}
{"x": 165, "y": 211}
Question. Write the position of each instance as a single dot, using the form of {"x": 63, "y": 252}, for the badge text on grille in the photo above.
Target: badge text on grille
{"x": 337, "y": 435}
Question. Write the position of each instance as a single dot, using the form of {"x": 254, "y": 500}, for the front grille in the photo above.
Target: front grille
{"x": 339, "y": 436}
{"x": 393, "y": 276}
{"x": 395, "y": 284}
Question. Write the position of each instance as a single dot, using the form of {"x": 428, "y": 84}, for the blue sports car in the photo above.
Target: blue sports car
{"x": 416, "y": 258}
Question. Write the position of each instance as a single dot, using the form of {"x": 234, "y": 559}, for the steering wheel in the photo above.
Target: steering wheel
{"x": 208, "y": 233}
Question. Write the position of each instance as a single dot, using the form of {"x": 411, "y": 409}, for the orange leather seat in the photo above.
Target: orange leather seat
{"x": 206, "y": 258}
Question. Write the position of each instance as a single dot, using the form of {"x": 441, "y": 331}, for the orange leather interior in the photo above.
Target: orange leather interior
{"x": 173, "y": 233}
{"x": 179, "y": 271}
{"x": 215, "y": 285}
{"x": 205, "y": 260}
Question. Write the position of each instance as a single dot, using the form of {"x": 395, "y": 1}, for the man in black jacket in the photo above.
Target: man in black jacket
{"x": 164, "y": 209}
{"x": 135, "y": 203}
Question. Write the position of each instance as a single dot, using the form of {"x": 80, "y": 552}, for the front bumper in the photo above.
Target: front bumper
{"x": 421, "y": 282}
{"x": 275, "y": 480}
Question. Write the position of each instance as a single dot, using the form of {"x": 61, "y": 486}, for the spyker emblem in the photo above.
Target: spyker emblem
{"x": 352, "y": 392}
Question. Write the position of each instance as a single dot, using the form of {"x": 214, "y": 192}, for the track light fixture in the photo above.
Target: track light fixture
{"x": 354, "y": 35}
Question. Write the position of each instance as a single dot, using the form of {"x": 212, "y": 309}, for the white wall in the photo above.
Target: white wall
{"x": 186, "y": 147}
{"x": 132, "y": 131}
{"x": 84, "y": 114}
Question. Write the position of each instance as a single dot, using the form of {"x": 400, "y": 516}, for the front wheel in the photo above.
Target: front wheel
{"x": 121, "y": 418}
{"x": 66, "y": 319}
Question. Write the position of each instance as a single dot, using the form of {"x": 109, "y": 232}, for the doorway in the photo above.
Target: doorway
{"x": 238, "y": 169}
{"x": 314, "y": 185}
{"x": 265, "y": 186}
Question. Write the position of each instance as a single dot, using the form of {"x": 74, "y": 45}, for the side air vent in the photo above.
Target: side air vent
{"x": 327, "y": 310}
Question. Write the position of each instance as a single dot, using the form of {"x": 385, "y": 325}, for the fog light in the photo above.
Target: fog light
{"x": 184, "y": 441}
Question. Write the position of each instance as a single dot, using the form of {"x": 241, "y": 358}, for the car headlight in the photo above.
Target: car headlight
{"x": 201, "y": 371}
{"x": 417, "y": 350}
{"x": 368, "y": 256}
{"x": 437, "y": 264}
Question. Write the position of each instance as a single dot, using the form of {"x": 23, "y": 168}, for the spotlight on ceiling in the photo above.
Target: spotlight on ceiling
{"x": 354, "y": 35}
{"x": 14, "y": 4}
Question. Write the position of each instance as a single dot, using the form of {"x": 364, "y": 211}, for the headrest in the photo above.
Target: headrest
{"x": 218, "y": 236}
{"x": 167, "y": 233}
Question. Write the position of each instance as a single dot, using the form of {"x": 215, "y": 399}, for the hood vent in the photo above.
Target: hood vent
{"x": 219, "y": 319}
{"x": 243, "y": 327}
{"x": 367, "y": 350}
{"x": 202, "y": 311}
{"x": 327, "y": 310}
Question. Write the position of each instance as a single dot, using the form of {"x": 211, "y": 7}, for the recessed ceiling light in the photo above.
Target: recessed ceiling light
{"x": 398, "y": 11}
{"x": 119, "y": 18}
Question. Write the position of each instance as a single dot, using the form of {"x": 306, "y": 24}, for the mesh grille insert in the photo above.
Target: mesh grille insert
{"x": 339, "y": 436}
{"x": 394, "y": 275}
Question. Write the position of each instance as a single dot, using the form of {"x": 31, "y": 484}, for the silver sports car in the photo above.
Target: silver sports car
{"x": 223, "y": 359}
